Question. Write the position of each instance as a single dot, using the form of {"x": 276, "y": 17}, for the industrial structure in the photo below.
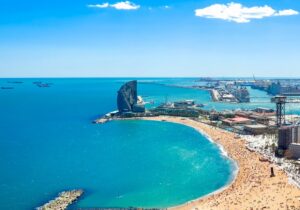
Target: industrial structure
{"x": 288, "y": 135}
{"x": 280, "y": 109}
{"x": 288, "y": 90}
{"x": 241, "y": 94}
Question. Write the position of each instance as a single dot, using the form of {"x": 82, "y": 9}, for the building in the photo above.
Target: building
{"x": 184, "y": 104}
{"x": 279, "y": 89}
{"x": 241, "y": 94}
{"x": 288, "y": 135}
{"x": 263, "y": 110}
{"x": 294, "y": 150}
{"x": 256, "y": 129}
{"x": 284, "y": 137}
{"x": 237, "y": 121}
{"x": 275, "y": 88}
{"x": 260, "y": 118}
{"x": 187, "y": 108}
{"x": 179, "y": 112}
{"x": 127, "y": 99}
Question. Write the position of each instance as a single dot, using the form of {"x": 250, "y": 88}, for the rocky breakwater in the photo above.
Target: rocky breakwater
{"x": 63, "y": 200}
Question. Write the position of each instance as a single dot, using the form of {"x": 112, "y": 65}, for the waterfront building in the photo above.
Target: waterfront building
{"x": 127, "y": 99}
{"x": 288, "y": 135}
{"x": 279, "y": 89}
{"x": 294, "y": 150}
{"x": 237, "y": 121}
{"x": 241, "y": 94}
{"x": 256, "y": 129}
{"x": 184, "y": 104}
{"x": 264, "y": 110}
{"x": 260, "y": 119}
{"x": 284, "y": 137}
{"x": 187, "y": 108}
{"x": 261, "y": 85}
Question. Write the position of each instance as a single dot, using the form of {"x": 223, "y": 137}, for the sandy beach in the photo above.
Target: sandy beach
{"x": 253, "y": 187}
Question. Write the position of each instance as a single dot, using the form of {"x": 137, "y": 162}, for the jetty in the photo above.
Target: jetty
{"x": 63, "y": 200}
{"x": 101, "y": 120}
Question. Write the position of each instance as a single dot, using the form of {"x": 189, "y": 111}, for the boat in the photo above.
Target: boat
{"x": 7, "y": 88}
{"x": 43, "y": 85}
{"x": 15, "y": 82}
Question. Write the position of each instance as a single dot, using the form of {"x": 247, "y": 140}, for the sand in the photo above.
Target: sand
{"x": 253, "y": 188}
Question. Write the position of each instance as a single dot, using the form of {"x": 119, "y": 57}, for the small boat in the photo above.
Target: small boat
{"x": 15, "y": 82}
{"x": 37, "y": 82}
{"x": 43, "y": 85}
{"x": 199, "y": 105}
{"x": 7, "y": 88}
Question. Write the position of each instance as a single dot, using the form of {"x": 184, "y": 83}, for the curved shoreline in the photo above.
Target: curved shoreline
{"x": 252, "y": 187}
{"x": 223, "y": 153}
{"x": 233, "y": 176}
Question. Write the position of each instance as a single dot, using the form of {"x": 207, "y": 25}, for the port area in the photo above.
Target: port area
{"x": 64, "y": 199}
{"x": 228, "y": 93}
{"x": 286, "y": 87}
{"x": 238, "y": 95}
{"x": 236, "y": 90}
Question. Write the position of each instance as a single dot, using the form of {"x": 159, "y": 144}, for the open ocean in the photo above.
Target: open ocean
{"x": 48, "y": 144}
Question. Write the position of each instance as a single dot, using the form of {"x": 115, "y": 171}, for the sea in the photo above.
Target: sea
{"x": 49, "y": 144}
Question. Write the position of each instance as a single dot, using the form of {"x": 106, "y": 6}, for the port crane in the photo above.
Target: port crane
{"x": 280, "y": 101}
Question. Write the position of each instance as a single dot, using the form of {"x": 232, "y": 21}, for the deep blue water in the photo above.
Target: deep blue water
{"x": 48, "y": 144}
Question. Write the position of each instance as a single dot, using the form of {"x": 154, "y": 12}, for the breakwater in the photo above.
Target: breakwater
{"x": 63, "y": 200}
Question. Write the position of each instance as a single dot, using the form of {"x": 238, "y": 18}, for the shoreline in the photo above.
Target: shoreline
{"x": 252, "y": 187}
{"x": 222, "y": 151}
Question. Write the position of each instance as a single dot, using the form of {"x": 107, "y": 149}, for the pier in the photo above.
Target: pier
{"x": 63, "y": 200}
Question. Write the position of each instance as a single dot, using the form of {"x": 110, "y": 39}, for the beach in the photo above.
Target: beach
{"x": 253, "y": 188}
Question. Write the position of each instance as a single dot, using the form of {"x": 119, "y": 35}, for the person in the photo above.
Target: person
{"x": 272, "y": 172}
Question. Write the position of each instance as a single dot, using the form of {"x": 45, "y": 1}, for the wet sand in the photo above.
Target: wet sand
{"x": 253, "y": 187}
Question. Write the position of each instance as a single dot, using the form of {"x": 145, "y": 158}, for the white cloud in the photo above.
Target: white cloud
{"x": 239, "y": 13}
{"x": 104, "y": 5}
{"x": 123, "y": 5}
{"x": 287, "y": 12}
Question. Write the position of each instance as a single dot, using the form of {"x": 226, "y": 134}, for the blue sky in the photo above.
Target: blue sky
{"x": 94, "y": 38}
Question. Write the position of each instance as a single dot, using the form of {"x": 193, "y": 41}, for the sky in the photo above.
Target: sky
{"x": 142, "y": 38}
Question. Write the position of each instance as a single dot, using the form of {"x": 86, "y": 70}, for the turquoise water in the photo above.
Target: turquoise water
{"x": 48, "y": 144}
